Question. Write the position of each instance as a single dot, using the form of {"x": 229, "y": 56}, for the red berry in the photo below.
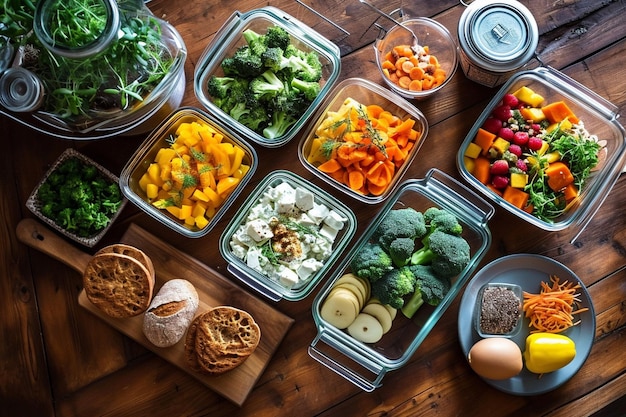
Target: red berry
{"x": 500, "y": 182}
{"x": 515, "y": 150}
{"x": 510, "y": 100}
{"x": 499, "y": 167}
{"x": 521, "y": 164}
{"x": 535, "y": 143}
{"x": 506, "y": 133}
{"x": 536, "y": 127}
{"x": 492, "y": 125}
{"x": 520, "y": 138}
{"x": 502, "y": 112}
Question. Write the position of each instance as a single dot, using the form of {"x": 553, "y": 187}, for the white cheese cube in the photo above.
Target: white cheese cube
{"x": 318, "y": 213}
{"x": 304, "y": 199}
{"x": 328, "y": 232}
{"x": 287, "y": 277}
{"x": 308, "y": 268}
{"x": 334, "y": 220}
{"x": 286, "y": 203}
{"x": 259, "y": 230}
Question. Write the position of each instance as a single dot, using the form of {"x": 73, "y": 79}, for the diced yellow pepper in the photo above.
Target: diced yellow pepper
{"x": 152, "y": 190}
{"x": 226, "y": 185}
{"x": 500, "y": 145}
{"x": 472, "y": 150}
{"x": 553, "y": 156}
{"x": 174, "y": 210}
{"x": 532, "y": 113}
{"x": 519, "y": 180}
{"x": 185, "y": 211}
{"x": 469, "y": 163}
{"x": 190, "y": 221}
{"x": 201, "y": 222}
{"x": 544, "y": 148}
{"x": 199, "y": 195}
{"x": 528, "y": 96}
{"x": 154, "y": 172}
{"x": 164, "y": 156}
{"x": 144, "y": 181}
{"x": 198, "y": 210}
{"x": 564, "y": 124}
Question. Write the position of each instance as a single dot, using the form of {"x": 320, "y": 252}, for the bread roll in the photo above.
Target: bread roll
{"x": 170, "y": 313}
{"x": 221, "y": 339}
{"x": 117, "y": 284}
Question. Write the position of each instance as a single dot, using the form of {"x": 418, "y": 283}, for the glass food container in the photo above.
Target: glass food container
{"x": 122, "y": 75}
{"x": 147, "y": 155}
{"x": 366, "y": 93}
{"x": 268, "y": 282}
{"x": 230, "y": 38}
{"x": 600, "y": 119}
{"x": 365, "y": 364}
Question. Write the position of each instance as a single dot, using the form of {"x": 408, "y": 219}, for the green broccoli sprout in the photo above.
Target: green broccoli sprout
{"x": 266, "y": 85}
{"x": 78, "y": 198}
{"x": 310, "y": 89}
{"x": 393, "y": 286}
{"x": 371, "y": 262}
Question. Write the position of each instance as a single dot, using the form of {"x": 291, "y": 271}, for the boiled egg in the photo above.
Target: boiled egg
{"x": 496, "y": 358}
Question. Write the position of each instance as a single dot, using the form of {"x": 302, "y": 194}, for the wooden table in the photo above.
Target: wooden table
{"x": 57, "y": 359}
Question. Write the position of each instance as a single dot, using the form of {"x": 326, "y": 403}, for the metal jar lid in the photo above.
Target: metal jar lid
{"x": 499, "y": 36}
{"x": 20, "y": 90}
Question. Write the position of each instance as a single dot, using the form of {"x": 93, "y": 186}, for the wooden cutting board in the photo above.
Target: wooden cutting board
{"x": 213, "y": 290}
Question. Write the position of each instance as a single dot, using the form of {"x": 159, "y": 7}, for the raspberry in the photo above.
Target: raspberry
{"x": 520, "y": 138}
{"x": 506, "y": 133}
{"x": 535, "y": 143}
{"x": 492, "y": 125}
{"x": 521, "y": 164}
{"x": 515, "y": 150}
{"x": 499, "y": 167}
{"x": 500, "y": 182}
{"x": 502, "y": 112}
{"x": 510, "y": 100}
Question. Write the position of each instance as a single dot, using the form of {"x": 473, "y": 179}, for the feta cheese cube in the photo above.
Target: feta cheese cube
{"x": 304, "y": 199}
{"x": 287, "y": 277}
{"x": 259, "y": 230}
{"x": 334, "y": 220}
{"x": 318, "y": 213}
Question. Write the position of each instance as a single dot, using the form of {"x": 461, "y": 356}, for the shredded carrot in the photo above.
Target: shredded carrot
{"x": 553, "y": 309}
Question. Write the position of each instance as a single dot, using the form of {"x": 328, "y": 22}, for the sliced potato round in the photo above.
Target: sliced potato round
{"x": 366, "y": 328}
{"x": 380, "y": 313}
{"x": 358, "y": 293}
{"x": 340, "y": 308}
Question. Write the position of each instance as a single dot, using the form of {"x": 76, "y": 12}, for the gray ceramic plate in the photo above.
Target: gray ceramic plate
{"x": 528, "y": 271}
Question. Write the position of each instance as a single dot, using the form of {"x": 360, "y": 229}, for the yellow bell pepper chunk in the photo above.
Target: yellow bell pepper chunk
{"x": 548, "y": 352}
{"x": 472, "y": 150}
{"x": 528, "y": 96}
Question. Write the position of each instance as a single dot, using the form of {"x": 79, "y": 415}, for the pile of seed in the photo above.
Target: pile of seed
{"x": 499, "y": 310}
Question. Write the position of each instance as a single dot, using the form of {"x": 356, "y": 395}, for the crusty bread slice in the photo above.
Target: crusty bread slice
{"x": 118, "y": 284}
{"x": 131, "y": 251}
{"x": 224, "y": 338}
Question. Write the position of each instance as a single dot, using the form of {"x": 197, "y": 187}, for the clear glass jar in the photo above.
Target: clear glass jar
{"x": 107, "y": 67}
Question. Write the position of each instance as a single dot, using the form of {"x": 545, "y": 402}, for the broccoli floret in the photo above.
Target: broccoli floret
{"x": 245, "y": 63}
{"x": 218, "y": 87}
{"x": 274, "y": 59}
{"x": 429, "y": 288}
{"x": 254, "y": 118}
{"x": 401, "y": 249}
{"x": 371, "y": 262}
{"x": 306, "y": 66}
{"x": 277, "y": 37}
{"x": 447, "y": 254}
{"x": 440, "y": 219}
{"x": 281, "y": 121}
{"x": 267, "y": 85}
{"x": 310, "y": 89}
{"x": 393, "y": 286}
{"x": 238, "y": 110}
{"x": 256, "y": 42}
{"x": 406, "y": 223}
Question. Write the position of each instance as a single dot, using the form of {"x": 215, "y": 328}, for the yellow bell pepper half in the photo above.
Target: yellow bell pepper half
{"x": 548, "y": 352}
